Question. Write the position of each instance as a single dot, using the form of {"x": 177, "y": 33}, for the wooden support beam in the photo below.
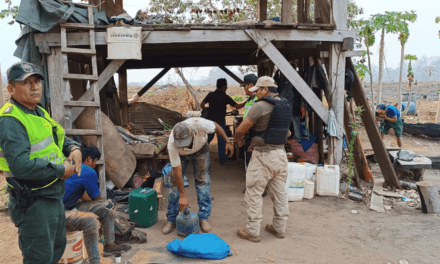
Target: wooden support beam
{"x": 357, "y": 154}
{"x": 348, "y": 54}
{"x": 103, "y": 78}
{"x": 123, "y": 96}
{"x": 307, "y": 11}
{"x": 322, "y": 11}
{"x": 337, "y": 98}
{"x": 340, "y": 14}
{"x": 152, "y": 82}
{"x": 294, "y": 78}
{"x": 55, "y": 85}
{"x": 233, "y": 76}
{"x": 300, "y": 11}
{"x": 287, "y": 11}
{"x": 262, "y": 10}
{"x": 197, "y": 36}
{"x": 368, "y": 119}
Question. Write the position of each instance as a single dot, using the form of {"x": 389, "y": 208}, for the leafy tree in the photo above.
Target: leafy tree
{"x": 390, "y": 22}
{"x": 437, "y": 20}
{"x": 410, "y": 76}
{"x": 10, "y": 11}
{"x": 366, "y": 33}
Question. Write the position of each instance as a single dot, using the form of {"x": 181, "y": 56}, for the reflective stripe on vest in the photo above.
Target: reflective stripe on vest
{"x": 248, "y": 106}
{"x": 40, "y": 133}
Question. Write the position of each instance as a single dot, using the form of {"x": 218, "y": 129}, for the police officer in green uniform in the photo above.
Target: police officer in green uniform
{"x": 33, "y": 151}
{"x": 249, "y": 81}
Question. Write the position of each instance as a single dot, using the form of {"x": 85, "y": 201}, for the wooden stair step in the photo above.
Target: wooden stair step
{"x": 70, "y": 76}
{"x": 77, "y": 25}
{"x": 82, "y": 132}
{"x": 81, "y": 104}
{"x": 79, "y": 51}
{"x": 100, "y": 162}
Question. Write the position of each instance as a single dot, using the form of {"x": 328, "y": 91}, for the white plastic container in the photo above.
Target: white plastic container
{"x": 311, "y": 171}
{"x": 327, "y": 180}
{"x": 309, "y": 189}
{"x": 74, "y": 248}
{"x": 295, "y": 181}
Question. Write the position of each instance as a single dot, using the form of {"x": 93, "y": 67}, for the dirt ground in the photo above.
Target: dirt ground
{"x": 321, "y": 230}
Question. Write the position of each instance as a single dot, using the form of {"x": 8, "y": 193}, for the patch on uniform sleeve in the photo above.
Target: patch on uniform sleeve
{"x": 8, "y": 110}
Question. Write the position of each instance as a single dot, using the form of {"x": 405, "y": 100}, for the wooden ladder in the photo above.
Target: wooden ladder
{"x": 93, "y": 79}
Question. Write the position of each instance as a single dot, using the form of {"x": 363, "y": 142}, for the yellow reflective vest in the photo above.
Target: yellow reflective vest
{"x": 40, "y": 132}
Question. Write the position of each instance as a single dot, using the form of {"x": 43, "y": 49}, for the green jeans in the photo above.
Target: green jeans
{"x": 42, "y": 232}
{"x": 385, "y": 127}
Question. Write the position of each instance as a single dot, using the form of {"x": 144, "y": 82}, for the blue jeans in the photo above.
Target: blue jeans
{"x": 87, "y": 219}
{"x": 296, "y": 120}
{"x": 200, "y": 161}
{"x": 221, "y": 145}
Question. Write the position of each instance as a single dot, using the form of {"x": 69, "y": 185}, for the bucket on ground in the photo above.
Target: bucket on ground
{"x": 296, "y": 174}
{"x": 73, "y": 254}
{"x": 327, "y": 180}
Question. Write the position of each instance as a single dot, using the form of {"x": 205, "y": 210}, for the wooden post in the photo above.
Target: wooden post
{"x": 56, "y": 85}
{"x": 337, "y": 98}
{"x": 429, "y": 197}
{"x": 228, "y": 72}
{"x": 123, "y": 96}
{"x": 262, "y": 10}
{"x": 2, "y": 98}
{"x": 260, "y": 69}
{"x": 300, "y": 11}
{"x": 358, "y": 161}
{"x": 306, "y": 10}
{"x": 340, "y": 14}
{"x": 368, "y": 119}
{"x": 119, "y": 6}
{"x": 287, "y": 12}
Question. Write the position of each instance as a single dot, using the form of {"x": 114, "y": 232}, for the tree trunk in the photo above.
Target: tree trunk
{"x": 402, "y": 56}
{"x": 371, "y": 79}
{"x": 190, "y": 89}
{"x": 382, "y": 46}
{"x": 437, "y": 117}
{"x": 428, "y": 192}
{"x": 409, "y": 95}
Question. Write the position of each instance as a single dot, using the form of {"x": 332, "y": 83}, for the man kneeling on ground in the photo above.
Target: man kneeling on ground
{"x": 86, "y": 215}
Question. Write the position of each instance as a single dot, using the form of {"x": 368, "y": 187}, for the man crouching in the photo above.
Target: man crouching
{"x": 268, "y": 121}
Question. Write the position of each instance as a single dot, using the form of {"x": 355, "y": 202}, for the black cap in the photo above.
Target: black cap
{"x": 250, "y": 78}
{"x": 20, "y": 71}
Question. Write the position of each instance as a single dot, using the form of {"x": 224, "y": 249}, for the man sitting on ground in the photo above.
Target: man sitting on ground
{"x": 389, "y": 116}
{"x": 86, "y": 215}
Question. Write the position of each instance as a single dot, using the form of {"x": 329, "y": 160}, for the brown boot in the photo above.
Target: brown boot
{"x": 270, "y": 229}
{"x": 168, "y": 228}
{"x": 205, "y": 226}
{"x": 243, "y": 234}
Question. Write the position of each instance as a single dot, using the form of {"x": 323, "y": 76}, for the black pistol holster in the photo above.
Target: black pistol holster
{"x": 21, "y": 193}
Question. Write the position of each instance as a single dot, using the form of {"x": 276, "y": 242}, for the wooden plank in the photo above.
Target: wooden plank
{"x": 262, "y": 10}
{"x": 306, "y": 10}
{"x": 287, "y": 11}
{"x": 300, "y": 11}
{"x": 104, "y": 77}
{"x": 233, "y": 76}
{"x": 55, "y": 85}
{"x": 197, "y": 36}
{"x": 348, "y": 54}
{"x": 340, "y": 14}
{"x": 77, "y": 25}
{"x": 337, "y": 98}
{"x": 78, "y": 51}
{"x": 71, "y": 76}
{"x": 429, "y": 197}
{"x": 81, "y": 104}
{"x": 377, "y": 203}
{"x": 322, "y": 11}
{"x": 123, "y": 96}
{"x": 153, "y": 81}
{"x": 372, "y": 131}
{"x": 378, "y": 189}
{"x": 418, "y": 162}
{"x": 294, "y": 78}
{"x": 82, "y": 132}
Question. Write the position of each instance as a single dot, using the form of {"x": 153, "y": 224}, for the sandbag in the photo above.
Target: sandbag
{"x": 120, "y": 162}
{"x": 203, "y": 246}
{"x": 142, "y": 150}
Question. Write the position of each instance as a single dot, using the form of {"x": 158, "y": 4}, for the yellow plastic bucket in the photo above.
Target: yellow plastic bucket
{"x": 74, "y": 248}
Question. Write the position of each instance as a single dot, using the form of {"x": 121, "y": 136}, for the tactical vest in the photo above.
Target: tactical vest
{"x": 279, "y": 122}
{"x": 41, "y": 132}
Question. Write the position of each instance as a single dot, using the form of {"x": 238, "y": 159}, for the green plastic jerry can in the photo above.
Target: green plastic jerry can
{"x": 143, "y": 207}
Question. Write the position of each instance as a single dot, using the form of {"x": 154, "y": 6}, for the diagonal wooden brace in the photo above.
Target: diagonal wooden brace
{"x": 104, "y": 77}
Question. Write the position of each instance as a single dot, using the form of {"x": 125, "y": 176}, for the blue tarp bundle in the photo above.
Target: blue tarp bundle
{"x": 203, "y": 246}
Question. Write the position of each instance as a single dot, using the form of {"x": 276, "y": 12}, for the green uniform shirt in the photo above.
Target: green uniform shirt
{"x": 15, "y": 144}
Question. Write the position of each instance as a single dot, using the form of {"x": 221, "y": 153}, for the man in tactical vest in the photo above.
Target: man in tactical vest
{"x": 268, "y": 123}
{"x": 33, "y": 151}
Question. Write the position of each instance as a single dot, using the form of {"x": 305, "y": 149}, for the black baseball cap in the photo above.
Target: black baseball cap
{"x": 20, "y": 71}
{"x": 250, "y": 78}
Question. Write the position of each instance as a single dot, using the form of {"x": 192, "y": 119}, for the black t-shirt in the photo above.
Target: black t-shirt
{"x": 217, "y": 105}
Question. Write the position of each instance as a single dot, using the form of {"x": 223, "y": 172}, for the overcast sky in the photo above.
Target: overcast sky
{"x": 423, "y": 40}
